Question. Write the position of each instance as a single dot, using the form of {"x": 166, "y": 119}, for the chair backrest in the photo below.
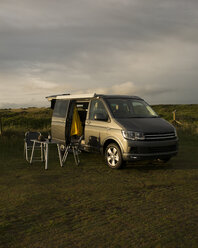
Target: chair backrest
{"x": 76, "y": 141}
{"x": 30, "y": 136}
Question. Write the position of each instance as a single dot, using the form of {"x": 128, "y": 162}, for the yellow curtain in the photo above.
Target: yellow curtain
{"x": 76, "y": 127}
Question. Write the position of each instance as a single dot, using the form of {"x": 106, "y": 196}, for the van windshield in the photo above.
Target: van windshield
{"x": 130, "y": 108}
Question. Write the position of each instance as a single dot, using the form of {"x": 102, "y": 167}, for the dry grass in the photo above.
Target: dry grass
{"x": 144, "y": 205}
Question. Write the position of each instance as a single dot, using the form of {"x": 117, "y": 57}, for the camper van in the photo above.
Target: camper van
{"x": 122, "y": 128}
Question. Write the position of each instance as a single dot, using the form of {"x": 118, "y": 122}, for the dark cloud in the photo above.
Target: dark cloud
{"x": 78, "y": 45}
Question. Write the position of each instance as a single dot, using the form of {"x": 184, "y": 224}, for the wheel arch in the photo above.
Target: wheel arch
{"x": 109, "y": 141}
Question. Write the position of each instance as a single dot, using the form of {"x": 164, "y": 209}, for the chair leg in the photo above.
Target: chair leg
{"x": 76, "y": 157}
{"x": 26, "y": 152}
{"x": 60, "y": 155}
{"x": 63, "y": 158}
{"x": 65, "y": 154}
{"x": 32, "y": 154}
{"x": 78, "y": 160}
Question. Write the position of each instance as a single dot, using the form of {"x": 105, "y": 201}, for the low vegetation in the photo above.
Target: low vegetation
{"x": 147, "y": 204}
{"x": 187, "y": 115}
{"x": 22, "y": 120}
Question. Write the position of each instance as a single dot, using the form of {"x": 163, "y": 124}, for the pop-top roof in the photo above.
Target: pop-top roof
{"x": 87, "y": 96}
{"x": 68, "y": 96}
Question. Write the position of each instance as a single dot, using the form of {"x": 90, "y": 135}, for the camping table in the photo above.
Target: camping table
{"x": 45, "y": 145}
{"x": 45, "y": 149}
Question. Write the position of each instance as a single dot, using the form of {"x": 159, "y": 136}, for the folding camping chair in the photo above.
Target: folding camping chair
{"x": 72, "y": 147}
{"x": 28, "y": 144}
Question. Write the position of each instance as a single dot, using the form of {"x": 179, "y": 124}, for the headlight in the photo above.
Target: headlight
{"x": 133, "y": 135}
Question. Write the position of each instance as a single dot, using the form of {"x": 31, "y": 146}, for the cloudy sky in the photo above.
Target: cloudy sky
{"x": 139, "y": 47}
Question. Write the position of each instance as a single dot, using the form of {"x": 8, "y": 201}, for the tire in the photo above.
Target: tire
{"x": 113, "y": 156}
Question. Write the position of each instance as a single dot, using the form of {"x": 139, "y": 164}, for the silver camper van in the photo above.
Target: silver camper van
{"x": 123, "y": 128}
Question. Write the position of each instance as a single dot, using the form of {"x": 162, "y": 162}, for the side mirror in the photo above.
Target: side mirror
{"x": 100, "y": 117}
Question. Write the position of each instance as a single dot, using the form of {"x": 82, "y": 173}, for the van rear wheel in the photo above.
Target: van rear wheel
{"x": 113, "y": 156}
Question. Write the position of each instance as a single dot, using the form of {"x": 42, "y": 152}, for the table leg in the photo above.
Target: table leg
{"x": 42, "y": 151}
{"x": 46, "y": 156}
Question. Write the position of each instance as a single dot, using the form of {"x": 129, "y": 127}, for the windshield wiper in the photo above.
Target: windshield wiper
{"x": 143, "y": 117}
{"x": 137, "y": 117}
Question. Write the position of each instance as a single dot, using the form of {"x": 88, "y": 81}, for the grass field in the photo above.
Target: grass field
{"x": 144, "y": 205}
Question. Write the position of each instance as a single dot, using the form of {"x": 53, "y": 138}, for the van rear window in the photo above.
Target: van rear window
{"x": 61, "y": 108}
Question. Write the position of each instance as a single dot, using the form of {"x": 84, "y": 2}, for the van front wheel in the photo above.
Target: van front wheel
{"x": 113, "y": 156}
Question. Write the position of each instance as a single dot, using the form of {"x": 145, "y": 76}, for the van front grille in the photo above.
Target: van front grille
{"x": 159, "y": 136}
{"x": 155, "y": 149}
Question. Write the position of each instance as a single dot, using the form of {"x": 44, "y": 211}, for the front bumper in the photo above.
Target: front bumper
{"x": 139, "y": 150}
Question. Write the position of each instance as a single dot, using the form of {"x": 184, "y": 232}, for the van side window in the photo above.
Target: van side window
{"x": 60, "y": 108}
{"x": 97, "y": 111}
